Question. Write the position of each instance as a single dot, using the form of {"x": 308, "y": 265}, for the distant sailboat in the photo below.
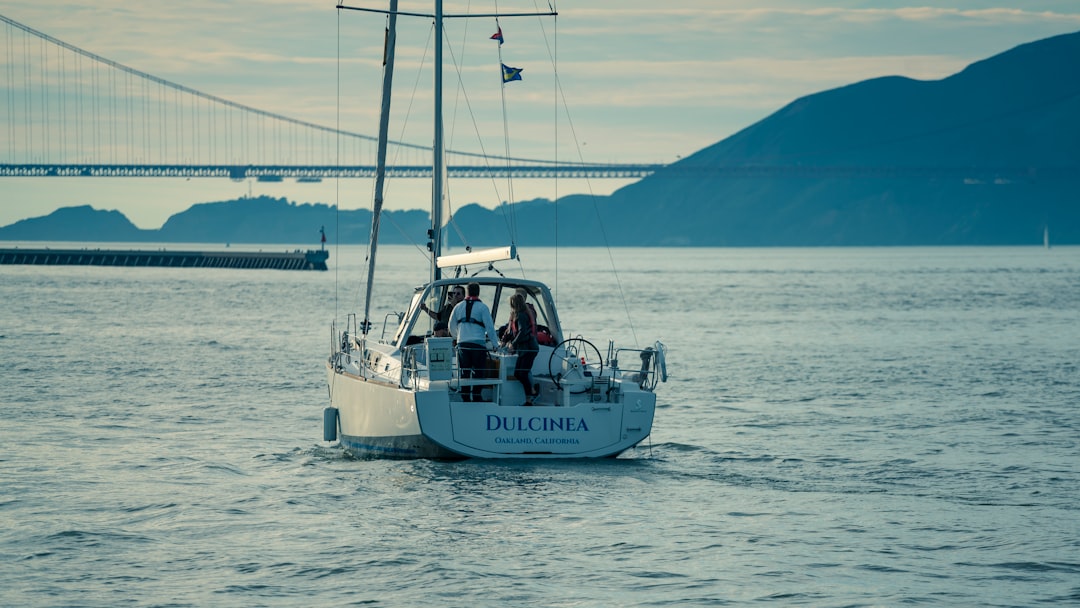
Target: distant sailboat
{"x": 1046, "y": 237}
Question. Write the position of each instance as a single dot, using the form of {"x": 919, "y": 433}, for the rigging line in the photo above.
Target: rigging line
{"x": 510, "y": 198}
{"x": 483, "y": 155}
{"x": 408, "y": 113}
{"x": 337, "y": 179}
{"x": 555, "y": 105}
{"x": 386, "y": 89}
{"x": 452, "y": 222}
{"x": 408, "y": 237}
{"x": 480, "y": 142}
{"x": 506, "y": 151}
{"x": 592, "y": 197}
{"x": 399, "y": 150}
{"x": 460, "y": 87}
{"x": 510, "y": 217}
{"x": 337, "y": 209}
{"x": 459, "y": 92}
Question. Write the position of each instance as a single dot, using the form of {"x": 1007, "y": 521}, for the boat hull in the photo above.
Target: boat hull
{"x": 381, "y": 420}
{"x": 378, "y": 420}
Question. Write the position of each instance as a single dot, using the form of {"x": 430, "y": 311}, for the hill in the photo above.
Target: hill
{"x": 76, "y": 224}
{"x": 247, "y": 220}
{"x": 987, "y": 156}
{"x": 270, "y": 220}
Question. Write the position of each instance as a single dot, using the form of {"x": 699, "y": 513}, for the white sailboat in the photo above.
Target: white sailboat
{"x": 401, "y": 393}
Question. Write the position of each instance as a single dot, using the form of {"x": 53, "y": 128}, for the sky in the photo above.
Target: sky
{"x": 641, "y": 81}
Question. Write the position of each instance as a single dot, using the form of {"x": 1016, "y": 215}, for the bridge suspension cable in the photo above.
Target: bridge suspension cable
{"x": 68, "y": 118}
{"x": 185, "y": 89}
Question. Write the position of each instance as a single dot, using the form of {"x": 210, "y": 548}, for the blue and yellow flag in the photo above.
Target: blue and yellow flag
{"x": 510, "y": 73}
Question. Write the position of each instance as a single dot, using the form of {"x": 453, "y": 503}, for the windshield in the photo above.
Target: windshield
{"x": 432, "y": 306}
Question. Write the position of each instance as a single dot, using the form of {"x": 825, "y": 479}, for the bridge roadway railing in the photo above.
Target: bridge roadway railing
{"x": 271, "y": 173}
{"x": 278, "y": 172}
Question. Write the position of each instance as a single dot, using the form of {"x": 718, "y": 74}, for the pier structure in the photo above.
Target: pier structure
{"x": 311, "y": 259}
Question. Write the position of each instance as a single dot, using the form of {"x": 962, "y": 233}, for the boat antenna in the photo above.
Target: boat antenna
{"x": 380, "y": 165}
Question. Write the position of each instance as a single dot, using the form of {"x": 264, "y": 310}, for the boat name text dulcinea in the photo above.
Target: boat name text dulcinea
{"x": 536, "y": 423}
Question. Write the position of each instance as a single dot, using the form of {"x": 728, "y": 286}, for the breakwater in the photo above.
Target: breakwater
{"x": 288, "y": 260}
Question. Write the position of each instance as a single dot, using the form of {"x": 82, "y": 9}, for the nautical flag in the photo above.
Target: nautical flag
{"x": 510, "y": 73}
{"x": 498, "y": 36}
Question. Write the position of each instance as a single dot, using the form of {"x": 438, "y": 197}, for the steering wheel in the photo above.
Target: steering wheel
{"x": 574, "y": 355}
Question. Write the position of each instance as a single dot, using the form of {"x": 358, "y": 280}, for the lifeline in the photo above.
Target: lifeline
{"x": 536, "y": 423}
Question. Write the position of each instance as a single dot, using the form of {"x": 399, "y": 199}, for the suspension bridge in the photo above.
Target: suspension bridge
{"x": 69, "y": 112}
{"x": 73, "y": 113}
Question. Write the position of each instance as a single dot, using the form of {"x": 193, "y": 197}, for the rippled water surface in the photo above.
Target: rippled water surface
{"x": 842, "y": 427}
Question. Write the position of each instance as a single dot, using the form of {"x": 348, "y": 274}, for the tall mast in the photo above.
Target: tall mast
{"x": 438, "y": 161}
{"x": 380, "y": 162}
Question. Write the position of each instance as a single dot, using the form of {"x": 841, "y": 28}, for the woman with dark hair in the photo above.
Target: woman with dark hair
{"x": 522, "y": 342}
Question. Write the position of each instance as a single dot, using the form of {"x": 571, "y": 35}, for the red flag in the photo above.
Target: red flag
{"x": 498, "y": 35}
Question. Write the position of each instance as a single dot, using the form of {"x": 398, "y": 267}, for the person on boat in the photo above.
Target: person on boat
{"x": 543, "y": 335}
{"x": 453, "y": 297}
{"x": 441, "y": 330}
{"x": 471, "y": 325}
{"x": 522, "y": 342}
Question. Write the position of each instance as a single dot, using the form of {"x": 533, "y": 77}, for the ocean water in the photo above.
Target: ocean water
{"x": 842, "y": 427}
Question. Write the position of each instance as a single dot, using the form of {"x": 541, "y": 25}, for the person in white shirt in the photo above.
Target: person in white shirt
{"x": 472, "y": 327}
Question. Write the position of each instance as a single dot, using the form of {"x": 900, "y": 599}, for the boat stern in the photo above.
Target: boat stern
{"x": 488, "y": 430}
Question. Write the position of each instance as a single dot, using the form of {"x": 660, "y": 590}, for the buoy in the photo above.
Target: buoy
{"x": 329, "y": 424}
